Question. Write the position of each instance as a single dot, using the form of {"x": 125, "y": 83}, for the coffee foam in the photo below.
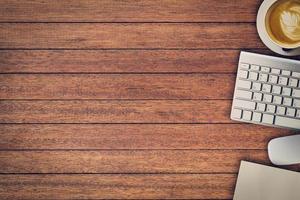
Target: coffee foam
{"x": 284, "y": 22}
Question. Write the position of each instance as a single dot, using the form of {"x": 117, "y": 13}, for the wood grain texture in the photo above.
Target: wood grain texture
{"x": 124, "y": 100}
{"x": 128, "y": 11}
{"x": 137, "y": 136}
{"x": 96, "y": 111}
{"x": 107, "y": 186}
{"x": 122, "y": 61}
{"x": 137, "y": 161}
{"x": 128, "y": 35}
{"x": 50, "y": 86}
{"x": 118, "y": 61}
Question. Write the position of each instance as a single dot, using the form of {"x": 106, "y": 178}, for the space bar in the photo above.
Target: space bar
{"x": 287, "y": 122}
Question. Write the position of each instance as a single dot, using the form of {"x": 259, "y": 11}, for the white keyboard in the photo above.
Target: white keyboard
{"x": 267, "y": 91}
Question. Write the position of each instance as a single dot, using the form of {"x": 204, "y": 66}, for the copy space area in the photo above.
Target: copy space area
{"x": 124, "y": 99}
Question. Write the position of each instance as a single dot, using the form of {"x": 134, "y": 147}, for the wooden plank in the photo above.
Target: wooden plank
{"x": 121, "y": 61}
{"x": 97, "y": 111}
{"x": 116, "y": 86}
{"x": 128, "y": 35}
{"x": 114, "y": 186}
{"x": 118, "y": 61}
{"x": 123, "y": 161}
{"x": 137, "y": 136}
{"x": 128, "y": 11}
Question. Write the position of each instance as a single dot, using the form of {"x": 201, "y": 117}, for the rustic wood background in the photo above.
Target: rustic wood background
{"x": 122, "y": 99}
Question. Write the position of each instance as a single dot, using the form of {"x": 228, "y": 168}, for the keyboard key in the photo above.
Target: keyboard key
{"x": 236, "y": 113}
{"x": 266, "y": 88}
{"x": 265, "y": 69}
{"x": 243, "y": 94}
{"x": 243, "y": 74}
{"x": 277, "y": 100}
{"x": 286, "y": 72}
{"x": 257, "y": 96}
{"x": 245, "y": 66}
{"x": 287, "y": 101}
{"x": 271, "y": 108}
{"x": 255, "y": 67}
{"x": 261, "y": 107}
{"x": 296, "y": 103}
{"x": 268, "y": 119}
{"x": 263, "y": 77}
{"x": 253, "y": 76}
{"x": 256, "y": 86}
{"x": 275, "y": 71}
{"x": 267, "y": 98}
{"x": 247, "y": 115}
{"x": 286, "y": 91}
{"x": 296, "y": 93}
{"x": 293, "y": 82}
{"x": 250, "y": 105}
{"x": 280, "y": 110}
{"x": 276, "y": 89}
{"x": 298, "y": 114}
{"x": 244, "y": 84}
{"x": 283, "y": 81}
{"x": 296, "y": 74}
{"x": 273, "y": 79}
{"x": 290, "y": 112}
{"x": 287, "y": 122}
{"x": 256, "y": 117}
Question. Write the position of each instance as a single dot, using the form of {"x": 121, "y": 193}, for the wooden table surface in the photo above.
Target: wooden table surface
{"x": 123, "y": 99}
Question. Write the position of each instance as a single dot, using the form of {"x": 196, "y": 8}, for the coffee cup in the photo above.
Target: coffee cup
{"x": 281, "y": 22}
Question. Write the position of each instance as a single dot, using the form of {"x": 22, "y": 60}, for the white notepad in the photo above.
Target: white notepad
{"x": 259, "y": 182}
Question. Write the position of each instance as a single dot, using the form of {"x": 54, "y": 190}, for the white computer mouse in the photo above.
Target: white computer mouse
{"x": 285, "y": 150}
